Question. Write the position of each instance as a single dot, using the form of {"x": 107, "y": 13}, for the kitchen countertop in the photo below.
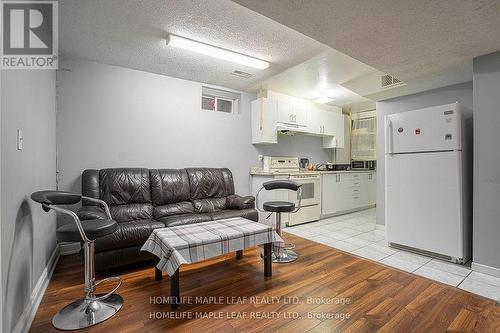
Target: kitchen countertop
{"x": 304, "y": 172}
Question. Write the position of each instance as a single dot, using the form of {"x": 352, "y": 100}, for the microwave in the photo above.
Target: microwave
{"x": 363, "y": 165}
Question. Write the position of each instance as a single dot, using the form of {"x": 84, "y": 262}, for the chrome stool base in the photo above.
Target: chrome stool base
{"x": 285, "y": 256}
{"x": 84, "y": 313}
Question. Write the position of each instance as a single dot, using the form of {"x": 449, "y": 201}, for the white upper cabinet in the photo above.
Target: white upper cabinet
{"x": 297, "y": 114}
{"x": 291, "y": 111}
{"x": 333, "y": 130}
{"x": 264, "y": 118}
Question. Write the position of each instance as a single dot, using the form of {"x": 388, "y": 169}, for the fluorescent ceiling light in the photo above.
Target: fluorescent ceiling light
{"x": 212, "y": 51}
{"x": 323, "y": 100}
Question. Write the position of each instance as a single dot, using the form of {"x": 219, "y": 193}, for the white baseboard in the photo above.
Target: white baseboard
{"x": 26, "y": 318}
{"x": 380, "y": 226}
{"x": 485, "y": 269}
{"x": 66, "y": 248}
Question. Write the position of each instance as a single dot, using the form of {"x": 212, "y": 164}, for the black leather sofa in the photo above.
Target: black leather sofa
{"x": 141, "y": 200}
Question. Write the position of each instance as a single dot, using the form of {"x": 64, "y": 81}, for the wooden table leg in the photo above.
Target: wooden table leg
{"x": 268, "y": 268}
{"x": 239, "y": 254}
{"x": 174, "y": 290}
{"x": 158, "y": 274}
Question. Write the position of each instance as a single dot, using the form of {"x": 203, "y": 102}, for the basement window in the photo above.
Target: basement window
{"x": 220, "y": 100}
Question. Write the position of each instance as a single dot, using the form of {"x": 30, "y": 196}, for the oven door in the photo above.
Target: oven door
{"x": 310, "y": 190}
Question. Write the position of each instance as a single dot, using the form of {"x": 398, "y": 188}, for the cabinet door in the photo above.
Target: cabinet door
{"x": 339, "y": 128}
{"x": 299, "y": 112}
{"x": 329, "y": 120}
{"x": 334, "y": 128}
{"x": 364, "y": 189}
{"x": 373, "y": 188}
{"x": 264, "y": 117}
{"x": 269, "y": 117}
{"x": 314, "y": 121}
{"x": 331, "y": 194}
{"x": 285, "y": 110}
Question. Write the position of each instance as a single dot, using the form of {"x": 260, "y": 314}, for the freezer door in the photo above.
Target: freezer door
{"x": 431, "y": 129}
{"x": 423, "y": 196}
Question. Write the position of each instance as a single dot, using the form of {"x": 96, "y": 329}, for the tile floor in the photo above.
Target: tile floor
{"x": 358, "y": 234}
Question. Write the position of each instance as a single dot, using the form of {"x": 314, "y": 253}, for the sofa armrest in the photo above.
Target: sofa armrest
{"x": 91, "y": 213}
{"x": 238, "y": 202}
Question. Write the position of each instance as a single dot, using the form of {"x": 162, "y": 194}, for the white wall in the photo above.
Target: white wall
{"x": 27, "y": 233}
{"x": 116, "y": 117}
{"x": 486, "y": 234}
{"x": 459, "y": 92}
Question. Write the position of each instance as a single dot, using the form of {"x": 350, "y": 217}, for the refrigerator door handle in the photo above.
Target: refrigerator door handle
{"x": 388, "y": 136}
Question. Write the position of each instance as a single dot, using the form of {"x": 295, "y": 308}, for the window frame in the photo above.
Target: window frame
{"x": 234, "y": 101}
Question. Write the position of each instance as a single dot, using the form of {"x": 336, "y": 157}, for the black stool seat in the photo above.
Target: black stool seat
{"x": 93, "y": 229}
{"x": 56, "y": 197}
{"x": 279, "y": 206}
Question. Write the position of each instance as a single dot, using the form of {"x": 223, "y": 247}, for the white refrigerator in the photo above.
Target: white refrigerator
{"x": 428, "y": 174}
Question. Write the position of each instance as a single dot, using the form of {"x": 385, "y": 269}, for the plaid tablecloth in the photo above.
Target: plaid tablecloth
{"x": 196, "y": 242}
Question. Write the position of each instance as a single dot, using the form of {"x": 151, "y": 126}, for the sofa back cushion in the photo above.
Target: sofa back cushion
{"x": 90, "y": 186}
{"x": 127, "y": 191}
{"x": 209, "y": 205}
{"x": 210, "y": 183}
{"x": 170, "y": 192}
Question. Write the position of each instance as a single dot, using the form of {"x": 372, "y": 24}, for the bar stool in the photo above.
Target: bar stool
{"x": 281, "y": 253}
{"x": 91, "y": 309}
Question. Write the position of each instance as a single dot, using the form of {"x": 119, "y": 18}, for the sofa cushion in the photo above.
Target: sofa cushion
{"x": 210, "y": 183}
{"x": 131, "y": 212}
{"x": 209, "y": 205}
{"x": 249, "y": 213}
{"x": 184, "y": 207}
{"x": 124, "y": 186}
{"x": 169, "y": 186}
{"x": 90, "y": 186}
{"x": 172, "y": 221}
{"x": 128, "y": 234}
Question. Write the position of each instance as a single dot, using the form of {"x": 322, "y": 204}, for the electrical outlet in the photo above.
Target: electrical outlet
{"x": 261, "y": 158}
{"x": 20, "y": 139}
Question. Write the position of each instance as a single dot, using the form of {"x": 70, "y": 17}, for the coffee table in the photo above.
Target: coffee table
{"x": 191, "y": 243}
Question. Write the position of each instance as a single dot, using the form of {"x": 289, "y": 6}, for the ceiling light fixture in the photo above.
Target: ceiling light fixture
{"x": 323, "y": 100}
{"x": 213, "y": 51}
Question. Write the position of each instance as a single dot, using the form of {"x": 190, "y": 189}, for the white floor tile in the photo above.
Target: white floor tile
{"x": 412, "y": 257}
{"x": 323, "y": 240}
{"x": 438, "y": 275}
{"x": 357, "y": 241}
{"x": 337, "y": 226}
{"x": 345, "y": 246}
{"x": 363, "y": 227}
{"x": 400, "y": 264}
{"x": 371, "y": 236}
{"x": 477, "y": 283}
{"x": 405, "y": 261}
{"x": 358, "y": 221}
{"x": 493, "y": 280}
{"x": 449, "y": 267}
{"x": 373, "y": 252}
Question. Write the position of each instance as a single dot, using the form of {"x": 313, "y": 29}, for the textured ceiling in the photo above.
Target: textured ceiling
{"x": 320, "y": 76}
{"x": 407, "y": 38}
{"x": 131, "y": 33}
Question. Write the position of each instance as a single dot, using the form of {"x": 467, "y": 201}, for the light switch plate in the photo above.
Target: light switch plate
{"x": 20, "y": 139}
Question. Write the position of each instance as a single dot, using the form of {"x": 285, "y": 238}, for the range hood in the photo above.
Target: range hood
{"x": 290, "y": 129}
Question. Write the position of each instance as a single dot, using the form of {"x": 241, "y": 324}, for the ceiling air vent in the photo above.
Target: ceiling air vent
{"x": 241, "y": 74}
{"x": 388, "y": 81}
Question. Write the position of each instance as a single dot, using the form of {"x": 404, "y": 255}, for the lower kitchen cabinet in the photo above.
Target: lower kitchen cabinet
{"x": 347, "y": 191}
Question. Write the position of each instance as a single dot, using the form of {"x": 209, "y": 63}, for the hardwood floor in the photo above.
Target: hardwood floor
{"x": 350, "y": 294}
